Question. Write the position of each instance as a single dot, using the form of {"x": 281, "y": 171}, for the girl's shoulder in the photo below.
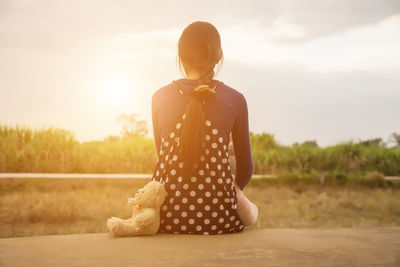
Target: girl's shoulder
{"x": 222, "y": 89}
{"x": 164, "y": 90}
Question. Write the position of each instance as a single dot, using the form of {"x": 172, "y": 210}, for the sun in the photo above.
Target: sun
{"x": 114, "y": 91}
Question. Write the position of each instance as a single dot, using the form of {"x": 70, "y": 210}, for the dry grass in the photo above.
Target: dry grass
{"x": 66, "y": 206}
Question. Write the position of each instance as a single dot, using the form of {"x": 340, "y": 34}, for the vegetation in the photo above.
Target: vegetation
{"x": 365, "y": 161}
{"x": 66, "y": 206}
{"x": 295, "y": 199}
{"x": 370, "y": 155}
{"x": 55, "y": 150}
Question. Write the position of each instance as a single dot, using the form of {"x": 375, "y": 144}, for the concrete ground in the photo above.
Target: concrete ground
{"x": 254, "y": 247}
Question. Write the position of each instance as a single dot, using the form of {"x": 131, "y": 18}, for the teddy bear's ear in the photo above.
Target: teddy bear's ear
{"x": 152, "y": 194}
{"x": 162, "y": 193}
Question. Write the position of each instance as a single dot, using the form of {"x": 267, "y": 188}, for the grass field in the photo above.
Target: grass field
{"x": 65, "y": 206}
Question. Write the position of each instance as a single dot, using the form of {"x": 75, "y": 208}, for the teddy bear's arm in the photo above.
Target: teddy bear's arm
{"x": 131, "y": 201}
{"x": 145, "y": 218}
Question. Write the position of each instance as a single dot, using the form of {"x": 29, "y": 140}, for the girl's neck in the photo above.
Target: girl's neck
{"x": 192, "y": 76}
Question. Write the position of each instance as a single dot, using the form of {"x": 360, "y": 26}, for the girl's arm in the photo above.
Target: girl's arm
{"x": 156, "y": 130}
{"x": 241, "y": 143}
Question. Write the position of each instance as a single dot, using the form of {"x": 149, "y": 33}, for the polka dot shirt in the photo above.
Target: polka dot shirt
{"x": 206, "y": 202}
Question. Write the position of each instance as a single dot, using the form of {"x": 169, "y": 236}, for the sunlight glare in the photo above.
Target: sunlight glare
{"x": 114, "y": 91}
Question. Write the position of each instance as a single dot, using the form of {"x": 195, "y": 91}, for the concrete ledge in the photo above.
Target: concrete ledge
{"x": 254, "y": 247}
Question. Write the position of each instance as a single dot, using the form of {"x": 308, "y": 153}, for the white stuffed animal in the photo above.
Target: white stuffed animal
{"x": 145, "y": 218}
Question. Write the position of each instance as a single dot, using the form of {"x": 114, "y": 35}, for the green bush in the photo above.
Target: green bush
{"x": 56, "y": 150}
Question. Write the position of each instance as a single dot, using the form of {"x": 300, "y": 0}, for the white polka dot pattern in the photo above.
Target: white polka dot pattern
{"x": 205, "y": 202}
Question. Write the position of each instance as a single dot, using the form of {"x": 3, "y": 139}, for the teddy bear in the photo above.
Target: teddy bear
{"x": 145, "y": 218}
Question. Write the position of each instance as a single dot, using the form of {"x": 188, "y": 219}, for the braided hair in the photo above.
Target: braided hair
{"x": 199, "y": 49}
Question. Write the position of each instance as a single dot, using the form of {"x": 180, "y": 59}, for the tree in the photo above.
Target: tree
{"x": 131, "y": 126}
{"x": 372, "y": 142}
{"x": 310, "y": 143}
{"x": 395, "y": 138}
{"x": 112, "y": 138}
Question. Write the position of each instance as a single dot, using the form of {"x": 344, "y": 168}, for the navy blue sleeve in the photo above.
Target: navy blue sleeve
{"x": 156, "y": 129}
{"x": 241, "y": 144}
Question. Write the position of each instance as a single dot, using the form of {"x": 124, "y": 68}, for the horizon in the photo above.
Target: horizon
{"x": 329, "y": 74}
{"x": 388, "y": 142}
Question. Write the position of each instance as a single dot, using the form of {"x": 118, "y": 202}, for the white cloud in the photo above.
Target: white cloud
{"x": 53, "y": 24}
{"x": 369, "y": 47}
{"x": 309, "y": 69}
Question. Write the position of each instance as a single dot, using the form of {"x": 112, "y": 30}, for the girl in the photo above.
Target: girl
{"x": 193, "y": 119}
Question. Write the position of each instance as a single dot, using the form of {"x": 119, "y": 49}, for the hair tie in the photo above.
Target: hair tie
{"x": 204, "y": 88}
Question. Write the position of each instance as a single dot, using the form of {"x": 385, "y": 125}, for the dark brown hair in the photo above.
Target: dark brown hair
{"x": 199, "y": 49}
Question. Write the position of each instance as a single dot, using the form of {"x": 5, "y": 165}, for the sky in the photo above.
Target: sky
{"x": 324, "y": 70}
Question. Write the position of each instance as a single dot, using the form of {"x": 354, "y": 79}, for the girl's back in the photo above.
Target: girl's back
{"x": 205, "y": 201}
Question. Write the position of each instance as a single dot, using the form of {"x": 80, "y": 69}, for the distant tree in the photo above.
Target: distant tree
{"x": 310, "y": 143}
{"x": 395, "y": 138}
{"x": 263, "y": 141}
{"x": 307, "y": 143}
{"x": 112, "y": 138}
{"x": 131, "y": 126}
{"x": 374, "y": 141}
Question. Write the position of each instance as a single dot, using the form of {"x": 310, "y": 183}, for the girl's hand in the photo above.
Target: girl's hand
{"x": 239, "y": 192}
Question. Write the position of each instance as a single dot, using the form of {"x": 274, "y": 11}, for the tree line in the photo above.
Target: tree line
{"x": 23, "y": 149}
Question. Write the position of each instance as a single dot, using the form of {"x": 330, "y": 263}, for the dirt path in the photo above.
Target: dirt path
{"x": 254, "y": 247}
